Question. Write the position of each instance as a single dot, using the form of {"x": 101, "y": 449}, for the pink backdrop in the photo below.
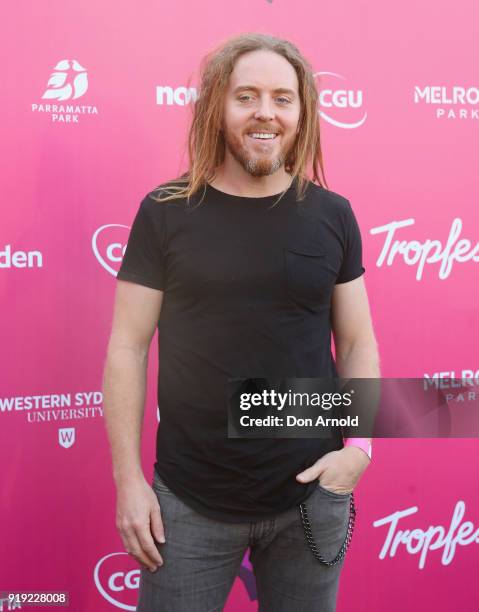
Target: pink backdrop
{"x": 400, "y": 125}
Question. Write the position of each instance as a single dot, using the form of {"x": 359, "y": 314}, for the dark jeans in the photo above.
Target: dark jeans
{"x": 202, "y": 557}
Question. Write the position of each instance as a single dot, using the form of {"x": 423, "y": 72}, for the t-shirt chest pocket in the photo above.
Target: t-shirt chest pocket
{"x": 309, "y": 282}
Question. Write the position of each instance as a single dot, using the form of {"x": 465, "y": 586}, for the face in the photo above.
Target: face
{"x": 261, "y": 112}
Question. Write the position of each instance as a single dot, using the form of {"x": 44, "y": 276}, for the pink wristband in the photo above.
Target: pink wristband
{"x": 362, "y": 443}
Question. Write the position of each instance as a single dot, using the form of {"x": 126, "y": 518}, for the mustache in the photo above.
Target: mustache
{"x": 262, "y": 128}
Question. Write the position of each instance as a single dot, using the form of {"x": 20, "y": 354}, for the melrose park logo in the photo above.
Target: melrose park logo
{"x": 67, "y": 83}
{"x": 449, "y": 102}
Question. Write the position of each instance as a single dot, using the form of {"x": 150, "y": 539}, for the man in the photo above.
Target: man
{"x": 245, "y": 266}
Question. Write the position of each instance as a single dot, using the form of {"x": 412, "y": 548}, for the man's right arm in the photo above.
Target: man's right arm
{"x": 135, "y": 318}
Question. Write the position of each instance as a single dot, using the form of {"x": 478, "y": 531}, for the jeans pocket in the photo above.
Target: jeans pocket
{"x": 344, "y": 496}
{"x": 328, "y": 522}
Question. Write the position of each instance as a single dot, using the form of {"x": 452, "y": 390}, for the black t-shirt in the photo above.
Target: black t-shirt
{"x": 247, "y": 291}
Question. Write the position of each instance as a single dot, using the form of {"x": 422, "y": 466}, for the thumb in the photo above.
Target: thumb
{"x": 157, "y": 525}
{"x": 310, "y": 473}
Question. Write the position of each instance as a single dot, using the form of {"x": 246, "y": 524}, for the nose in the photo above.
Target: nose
{"x": 264, "y": 111}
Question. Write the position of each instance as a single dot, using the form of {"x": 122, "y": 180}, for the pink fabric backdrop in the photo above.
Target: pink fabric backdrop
{"x": 400, "y": 131}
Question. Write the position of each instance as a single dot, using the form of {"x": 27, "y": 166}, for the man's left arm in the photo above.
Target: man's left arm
{"x": 356, "y": 357}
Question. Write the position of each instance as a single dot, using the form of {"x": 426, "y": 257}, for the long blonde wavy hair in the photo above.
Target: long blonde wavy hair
{"x": 206, "y": 145}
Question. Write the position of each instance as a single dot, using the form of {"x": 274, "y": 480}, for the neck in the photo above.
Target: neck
{"x": 236, "y": 181}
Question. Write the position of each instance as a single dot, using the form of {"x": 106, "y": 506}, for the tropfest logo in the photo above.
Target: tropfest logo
{"x": 417, "y": 541}
{"x": 442, "y": 256}
{"x": 449, "y": 102}
{"x": 67, "y": 83}
{"x": 340, "y": 104}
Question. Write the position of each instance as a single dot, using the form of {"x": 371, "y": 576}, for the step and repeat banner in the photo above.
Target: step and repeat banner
{"x": 96, "y": 104}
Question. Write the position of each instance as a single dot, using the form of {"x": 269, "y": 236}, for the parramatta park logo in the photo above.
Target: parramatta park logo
{"x": 340, "y": 104}
{"x": 449, "y": 103}
{"x": 67, "y": 83}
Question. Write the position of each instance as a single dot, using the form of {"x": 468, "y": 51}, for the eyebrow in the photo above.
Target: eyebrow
{"x": 253, "y": 88}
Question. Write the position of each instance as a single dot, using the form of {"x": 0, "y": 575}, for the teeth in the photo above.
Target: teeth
{"x": 263, "y": 135}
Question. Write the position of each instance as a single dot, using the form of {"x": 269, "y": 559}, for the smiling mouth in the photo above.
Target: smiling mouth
{"x": 263, "y": 136}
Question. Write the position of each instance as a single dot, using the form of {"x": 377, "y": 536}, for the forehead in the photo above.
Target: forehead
{"x": 263, "y": 69}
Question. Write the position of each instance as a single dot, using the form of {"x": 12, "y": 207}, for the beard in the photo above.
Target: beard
{"x": 256, "y": 164}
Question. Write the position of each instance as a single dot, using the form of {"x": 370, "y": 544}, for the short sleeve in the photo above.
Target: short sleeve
{"x": 143, "y": 261}
{"x": 352, "y": 265}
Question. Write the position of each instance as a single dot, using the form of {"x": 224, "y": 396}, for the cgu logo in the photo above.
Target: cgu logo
{"x": 340, "y": 106}
{"x": 119, "y": 586}
{"x": 109, "y": 245}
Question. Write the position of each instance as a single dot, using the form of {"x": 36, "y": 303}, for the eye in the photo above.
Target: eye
{"x": 283, "y": 100}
